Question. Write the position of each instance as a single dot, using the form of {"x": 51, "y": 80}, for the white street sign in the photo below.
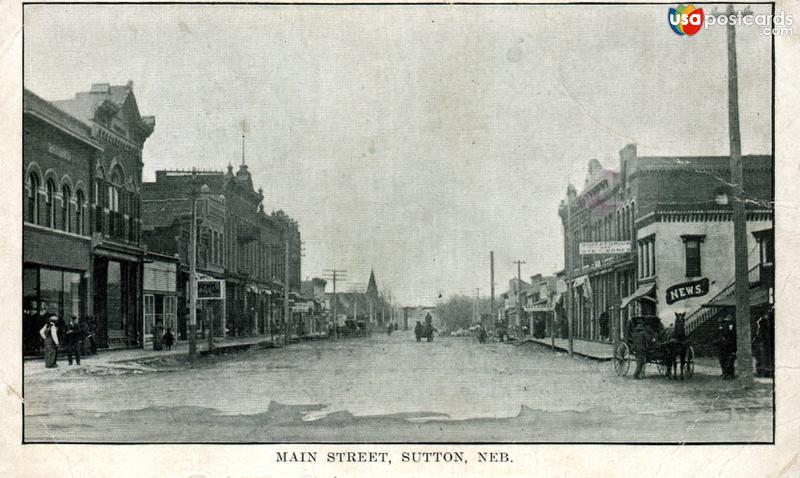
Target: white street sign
{"x": 605, "y": 247}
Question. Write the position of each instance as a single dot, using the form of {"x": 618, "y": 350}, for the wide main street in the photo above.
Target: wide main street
{"x": 387, "y": 389}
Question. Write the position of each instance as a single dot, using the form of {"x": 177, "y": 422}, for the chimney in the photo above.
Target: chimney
{"x": 100, "y": 88}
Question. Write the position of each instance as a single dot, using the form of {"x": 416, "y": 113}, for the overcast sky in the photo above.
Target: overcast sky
{"x": 411, "y": 139}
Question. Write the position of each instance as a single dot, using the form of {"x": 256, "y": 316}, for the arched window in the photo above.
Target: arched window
{"x": 633, "y": 220}
{"x": 50, "y": 209}
{"x": 113, "y": 190}
{"x": 33, "y": 199}
{"x": 66, "y": 208}
{"x": 115, "y": 220}
{"x": 80, "y": 200}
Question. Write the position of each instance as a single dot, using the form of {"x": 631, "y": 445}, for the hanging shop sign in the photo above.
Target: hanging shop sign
{"x": 604, "y": 247}
{"x": 687, "y": 290}
{"x": 210, "y": 289}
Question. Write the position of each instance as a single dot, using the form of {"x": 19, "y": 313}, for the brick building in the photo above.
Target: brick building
{"x": 674, "y": 215}
{"x": 237, "y": 242}
{"x": 58, "y": 157}
{"x": 167, "y": 212}
{"x": 83, "y": 157}
{"x": 111, "y": 113}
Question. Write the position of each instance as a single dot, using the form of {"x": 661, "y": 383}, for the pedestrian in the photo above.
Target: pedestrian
{"x": 43, "y": 318}
{"x": 604, "y": 326}
{"x": 389, "y": 329}
{"x": 169, "y": 339}
{"x": 726, "y": 344}
{"x": 481, "y": 334}
{"x": 418, "y": 331}
{"x": 61, "y": 324}
{"x": 49, "y": 334}
{"x": 72, "y": 339}
{"x": 640, "y": 341}
{"x": 87, "y": 336}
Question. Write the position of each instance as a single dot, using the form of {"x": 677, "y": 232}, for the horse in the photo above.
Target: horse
{"x": 675, "y": 346}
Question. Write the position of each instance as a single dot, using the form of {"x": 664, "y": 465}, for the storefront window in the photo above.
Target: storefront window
{"x": 59, "y": 290}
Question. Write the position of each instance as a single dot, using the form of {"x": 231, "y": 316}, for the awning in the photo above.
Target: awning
{"x": 758, "y": 296}
{"x": 641, "y": 293}
{"x": 584, "y": 282}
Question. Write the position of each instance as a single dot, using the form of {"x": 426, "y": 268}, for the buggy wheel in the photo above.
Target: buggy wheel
{"x": 688, "y": 369}
{"x": 622, "y": 360}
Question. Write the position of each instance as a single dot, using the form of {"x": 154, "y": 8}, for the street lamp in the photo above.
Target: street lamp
{"x": 195, "y": 195}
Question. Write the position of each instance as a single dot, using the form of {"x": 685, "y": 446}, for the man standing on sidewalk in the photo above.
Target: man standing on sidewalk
{"x": 726, "y": 342}
{"x": 73, "y": 338}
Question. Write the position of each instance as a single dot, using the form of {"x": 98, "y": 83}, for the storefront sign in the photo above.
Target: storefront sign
{"x": 209, "y": 289}
{"x": 687, "y": 290}
{"x": 605, "y": 247}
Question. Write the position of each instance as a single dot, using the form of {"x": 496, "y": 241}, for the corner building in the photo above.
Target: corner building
{"x": 675, "y": 214}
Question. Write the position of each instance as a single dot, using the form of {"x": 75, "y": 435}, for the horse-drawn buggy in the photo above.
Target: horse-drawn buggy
{"x": 667, "y": 347}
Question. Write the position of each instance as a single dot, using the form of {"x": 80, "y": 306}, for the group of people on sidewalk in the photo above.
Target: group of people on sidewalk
{"x": 55, "y": 333}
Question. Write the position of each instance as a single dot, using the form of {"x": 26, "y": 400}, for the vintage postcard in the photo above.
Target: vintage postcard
{"x": 415, "y": 239}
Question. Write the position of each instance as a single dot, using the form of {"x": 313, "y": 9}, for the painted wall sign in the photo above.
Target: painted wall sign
{"x": 58, "y": 151}
{"x": 687, "y": 290}
{"x": 605, "y": 247}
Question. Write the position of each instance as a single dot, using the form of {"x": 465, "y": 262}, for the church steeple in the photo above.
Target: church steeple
{"x": 372, "y": 286}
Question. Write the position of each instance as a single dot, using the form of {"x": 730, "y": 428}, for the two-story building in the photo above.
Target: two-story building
{"x": 636, "y": 237}
{"x": 167, "y": 213}
{"x": 58, "y": 159}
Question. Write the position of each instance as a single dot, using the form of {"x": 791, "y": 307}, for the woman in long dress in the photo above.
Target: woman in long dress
{"x": 50, "y": 335}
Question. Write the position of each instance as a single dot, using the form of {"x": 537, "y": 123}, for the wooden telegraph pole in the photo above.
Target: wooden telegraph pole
{"x": 334, "y": 275}
{"x": 568, "y": 264}
{"x": 491, "y": 275}
{"x": 286, "y": 309}
{"x": 519, "y": 294}
{"x": 742, "y": 284}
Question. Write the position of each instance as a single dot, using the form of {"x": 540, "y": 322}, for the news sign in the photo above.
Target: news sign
{"x": 687, "y": 290}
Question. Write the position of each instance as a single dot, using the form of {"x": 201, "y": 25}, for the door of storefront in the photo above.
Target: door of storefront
{"x": 115, "y": 295}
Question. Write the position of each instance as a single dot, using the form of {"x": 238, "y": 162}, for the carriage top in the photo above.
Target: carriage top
{"x": 651, "y": 322}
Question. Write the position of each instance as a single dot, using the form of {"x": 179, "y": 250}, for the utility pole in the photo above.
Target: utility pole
{"x": 476, "y": 314}
{"x": 742, "y": 284}
{"x": 335, "y": 318}
{"x": 491, "y": 285}
{"x": 195, "y": 194}
{"x": 193, "y": 282}
{"x": 335, "y": 274}
{"x": 286, "y": 310}
{"x": 568, "y": 263}
{"x": 519, "y": 294}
